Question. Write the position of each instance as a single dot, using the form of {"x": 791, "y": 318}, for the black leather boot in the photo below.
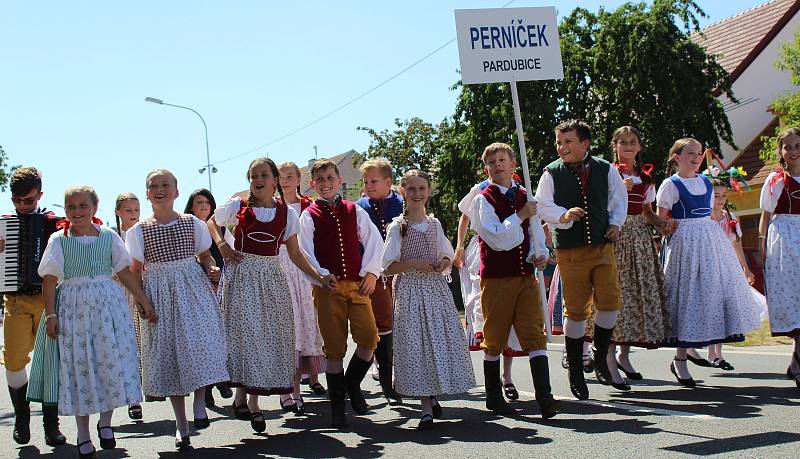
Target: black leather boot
{"x": 577, "y": 383}
{"x": 540, "y": 370}
{"x": 52, "y": 434}
{"x": 602, "y": 339}
{"x": 383, "y": 354}
{"x": 22, "y": 414}
{"x": 356, "y": 370}
{"x": 336, "y": 391}
{"x": 494, "y": 389}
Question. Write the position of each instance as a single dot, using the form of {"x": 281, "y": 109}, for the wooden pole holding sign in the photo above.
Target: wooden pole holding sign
{"x": 508, "y": 45}
{"x": 526, "y": 176}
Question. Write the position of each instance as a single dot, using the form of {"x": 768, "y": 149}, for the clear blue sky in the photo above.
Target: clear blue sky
{"x": 74, "y": 75}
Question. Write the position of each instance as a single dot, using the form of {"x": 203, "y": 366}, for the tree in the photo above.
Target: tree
{"x": 5, "y": 174}
{"x": 786, "y": 106}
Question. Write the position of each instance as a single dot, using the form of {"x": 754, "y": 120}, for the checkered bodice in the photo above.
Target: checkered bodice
{"x": 419, "y": 245}
{"x": 168, "y": 242}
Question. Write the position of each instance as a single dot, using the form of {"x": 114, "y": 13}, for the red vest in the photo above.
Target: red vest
{"x": 789, "y": 202}
{"x": 336, "y": 244}
{"x": 260, "y": 238}
{"x": 636, "y": 198}
{"x": 508, "y": 263}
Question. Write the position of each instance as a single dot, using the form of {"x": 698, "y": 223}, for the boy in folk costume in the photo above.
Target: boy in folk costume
{"x": 332, "y": 234}
{"x": 507, "y": 226}
{"x": 382, "y": 204}
{"x": 584, "y": 201}
{"x": 23, "y": 312}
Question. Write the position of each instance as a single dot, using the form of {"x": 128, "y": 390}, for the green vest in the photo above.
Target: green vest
{"x": 591, "y": 229}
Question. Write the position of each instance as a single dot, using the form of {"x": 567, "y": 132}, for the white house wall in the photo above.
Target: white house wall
{"x": 756, "y": 88}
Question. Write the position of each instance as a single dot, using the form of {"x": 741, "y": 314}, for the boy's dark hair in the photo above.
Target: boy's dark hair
{"x": 321, "y": 165}
{"x": 582, "y": 130}
{"x": 200, "y": 192}
{"x": 24, "y": 180}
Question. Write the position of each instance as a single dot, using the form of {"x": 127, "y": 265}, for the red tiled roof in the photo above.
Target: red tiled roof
{"x": 750, "y": 160}
{"x": 739, "y": 39}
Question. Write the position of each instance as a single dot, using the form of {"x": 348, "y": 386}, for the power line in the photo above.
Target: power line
{"x": 344, "y": 105}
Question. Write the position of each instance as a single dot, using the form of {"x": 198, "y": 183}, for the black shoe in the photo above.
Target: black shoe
{"x": 135, "y": 411}
{"x": 540, "y": 371}
{"x": 425, "y": 423}
{"x": 257, "y": 422}
{"x": 201, "y": 423}
{"x": 90, "y": 455}
{"x": 634, "y": 375}
{"x": 722, "y": 364}
{"x": 304, "y": 381}
{"x": 689, "y": 382}
{"x": 510, "y": 391}
{"x": 317, "y": 388}
{"x": 301, "y": 407}
{"x": 22, "y": 414}
{"x": 436, "y": 407}
{"x": 288, "y": 405}
{"x": 623, "y": 386}
{"x": 602, "y": 339}
{"x": 52, "y": 435}
{"x": 494, "y": 395}
{"x": 577, "y": 382}
{"x": 106, "y": 443}
{"x": 356, "y": 370}
{"x": 336, "y": 393}
{"x": 210, "y": 403}
{"x": 224, "y": 390}
{"x": 185, "y": 443}
{"x": 791, "y": 375}
{"x": 383, "y": 355}
{"x": 240, "y": 412}
{"x": 699, "y": 361}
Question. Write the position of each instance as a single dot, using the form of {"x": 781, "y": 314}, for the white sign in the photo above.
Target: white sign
{"x": 508, "y": 44}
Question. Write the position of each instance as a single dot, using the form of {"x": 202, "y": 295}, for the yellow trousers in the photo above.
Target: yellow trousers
{"x": 508, "y": 301}
{"x": 335, "y": 309}
{"x": 20, "y": 322}
{"x": 589, "y": 276}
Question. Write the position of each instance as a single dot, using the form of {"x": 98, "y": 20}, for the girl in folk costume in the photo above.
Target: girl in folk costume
{"x": 97, "y": 363}
{"x": 644, "y": 320}
{"x": 126, "y": 214}
{"x": 779, "y": 243}
{"x": 469, "y": 263}
{"x": 308, "y": 341}
{"x": 201, "y": 204}
{"x": 259, "y": 320}
{"x": 431, "y": 357}
{"x": 185, "y": 350}
{"x": 707, "y": 295}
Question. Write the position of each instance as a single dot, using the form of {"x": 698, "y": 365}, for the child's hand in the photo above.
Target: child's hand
{"x": 230, "y": 255}
{"x": 213, "y": 274}
{"x": 458, "y": 261}
{"x": 540, "y": 262}
{"x": 148, "y": 312}
{"x": 424, "y": 266}
{"x": 670, "y": 226}
{"x": 628, "y": 183}
{"x": 573, "y": 215}
{"x": 612, "y": 233}
{"x": 328, "y": 282}
{"x": 442, "y": 265}
{"x": 2, "y": 245}
{"x": 367, "y": 284}
{"x": 751, "y": 278}
{"x": 527, "y": 211}
{"x": 52, "y": 327}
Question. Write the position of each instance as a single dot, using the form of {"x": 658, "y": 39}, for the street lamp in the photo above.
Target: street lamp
{"x": 208, "y": 167}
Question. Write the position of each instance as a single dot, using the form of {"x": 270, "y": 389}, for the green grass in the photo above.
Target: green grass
{"x": 762, "y": 337}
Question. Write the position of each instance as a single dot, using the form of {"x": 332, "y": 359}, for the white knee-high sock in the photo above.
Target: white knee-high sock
{"x": 606, "y": 319}
{"x": 181, "y": 423}
{"x": 574, "y": 328}
{"x": 490, "y": 358}
{"x": 16, "y": 379}
{"x": 680, "y": 366}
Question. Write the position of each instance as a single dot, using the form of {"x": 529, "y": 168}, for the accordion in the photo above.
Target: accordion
{"x": 26, "y": 237}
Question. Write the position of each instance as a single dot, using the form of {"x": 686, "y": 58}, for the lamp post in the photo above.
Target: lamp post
{"x": 208, "y": 167}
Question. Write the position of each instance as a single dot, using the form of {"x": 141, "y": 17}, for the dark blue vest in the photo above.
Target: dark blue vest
{"x": 692, "y": 205}
{"x": 382, "y": 212}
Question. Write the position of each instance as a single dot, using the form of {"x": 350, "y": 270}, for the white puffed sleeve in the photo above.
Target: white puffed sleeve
{"x": 391, "y": 247}
{"x": 202, "y": 237}
{"x": 134, "y": 241}
{"x": 120, "y": 258}
{"x": 292, "y": 223}
{"x": 226, "y": 213}
{"x": 770, "y": 192}
{"x": 52, "y": 263}
{"x": 443, "y": 246}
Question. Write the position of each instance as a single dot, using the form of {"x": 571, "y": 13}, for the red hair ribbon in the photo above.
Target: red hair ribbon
{"x": 64, "y": 224}
{"x": 622, "y": 167}
{"x": 647, "y": 169}
{"x": 732, "y": 222}
{"x": 516, "y": 178}
{"x": 780, "y": 174}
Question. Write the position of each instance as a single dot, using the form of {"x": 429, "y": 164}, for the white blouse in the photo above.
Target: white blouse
{"x": 771, "y": 194}
{"x": 393, "y": 244}
{"x": 668, "y": 193}
{"x": 650, "y": 194}
{"x": 226, "y": 215}
{"x": 52, "y": 263}
{"x": 135, "y": 241}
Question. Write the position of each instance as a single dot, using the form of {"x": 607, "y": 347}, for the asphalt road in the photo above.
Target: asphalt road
{"x": 750, "y": 412}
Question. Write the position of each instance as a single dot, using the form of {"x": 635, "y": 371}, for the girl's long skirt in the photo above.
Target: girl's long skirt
{"x": 185, "y": 349}
{"x": 782, "y": 274}
{"x": 707, "y": 293}
{"x": 259, "y": 324}
{"x": 430, "y": 353}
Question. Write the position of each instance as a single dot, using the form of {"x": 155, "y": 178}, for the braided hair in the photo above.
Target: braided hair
{"x": 779, "y": 141}
{"x": 637, "y": 162}
{"x": 403, "y": 181}
{"x": 273, "y": 169}
{"x": 296, "y": 171}
{"x": 122, "y": 197}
